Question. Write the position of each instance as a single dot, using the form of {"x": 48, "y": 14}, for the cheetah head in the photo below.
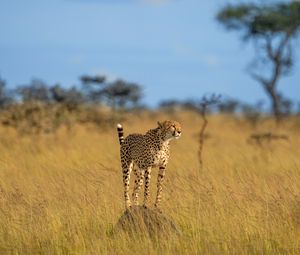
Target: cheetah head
{"x": 170, "y": 129}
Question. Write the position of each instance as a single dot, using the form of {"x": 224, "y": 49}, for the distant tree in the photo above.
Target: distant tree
{"x": 117, "y": 94}
{"x": 58, "y": 93}
{"x": 122, "y": 94}
{"x": 228, "y": 106}
{"x": 170, "y": 105}
{"x": 98, "y": 79}
{"x": 71, "y": 97}
{"x": 286, "y": 105}
{"x": 93, "y": 86}
{"x": 5, "y": 98}
{"x": 272, "y": 28}
{"x": 37, "y": 90}
{"x": 252, "y": 113}
{"x": 202, "y": 107}
{"x": 298, "y": 108}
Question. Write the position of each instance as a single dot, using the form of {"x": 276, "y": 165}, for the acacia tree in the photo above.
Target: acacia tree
{"x": 93, "y": 86}
{"x": 5, "y": 98}
{"x": 72, "y": 98}
{"x": 117, "y": 94}
{"x": 122, "y": 94}
{"x": 272, "y": 28}
{"x": 36, "y": 90}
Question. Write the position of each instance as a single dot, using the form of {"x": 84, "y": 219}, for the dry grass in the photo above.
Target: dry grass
{"x": 62, "y": 193}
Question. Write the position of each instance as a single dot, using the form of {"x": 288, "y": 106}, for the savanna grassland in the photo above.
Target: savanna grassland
{"x": 62, "y": 193}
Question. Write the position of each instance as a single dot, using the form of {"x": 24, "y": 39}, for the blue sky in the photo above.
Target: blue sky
{"x": 174, "y": 49}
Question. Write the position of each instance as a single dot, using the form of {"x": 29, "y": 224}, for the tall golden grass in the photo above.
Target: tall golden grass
{"x": 62, "y": 193}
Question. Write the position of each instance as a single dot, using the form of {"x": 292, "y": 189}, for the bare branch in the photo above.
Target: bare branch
{"x": 260, "y": 79}
{"x": 205, "y": 103}
{"x": 269, "y": 48}
{"x": 282, "y": 45}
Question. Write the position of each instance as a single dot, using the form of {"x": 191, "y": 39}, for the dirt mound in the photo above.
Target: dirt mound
{"x": 139, "y": 220}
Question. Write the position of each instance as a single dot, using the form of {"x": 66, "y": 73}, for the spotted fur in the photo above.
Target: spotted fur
{"x": 142, "y": 153}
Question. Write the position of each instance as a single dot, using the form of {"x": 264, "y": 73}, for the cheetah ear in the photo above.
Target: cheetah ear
{"x": 159, "y": 124}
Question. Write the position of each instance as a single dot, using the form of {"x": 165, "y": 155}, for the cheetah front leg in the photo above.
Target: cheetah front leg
{"x": 126, "y": 167}
{"x": 139, "y": 179}
{"x": 160, "y": 180}
{"x": 147, "y": 186}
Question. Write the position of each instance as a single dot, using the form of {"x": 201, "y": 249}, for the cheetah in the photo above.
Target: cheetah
{"x": 141, "y": 153}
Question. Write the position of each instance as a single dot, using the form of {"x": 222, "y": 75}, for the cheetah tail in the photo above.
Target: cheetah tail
{"x": 120, "y": 133}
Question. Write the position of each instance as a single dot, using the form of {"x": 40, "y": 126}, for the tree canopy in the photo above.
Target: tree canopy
{"x": 259, "y": 20}
{"x": 272, "y": 27}
{"x": 117, "y": 94}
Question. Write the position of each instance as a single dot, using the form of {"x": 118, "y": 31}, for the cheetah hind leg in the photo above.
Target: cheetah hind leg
{"x": 147, "y": 186}
{"x": 126, "y": 167}
{"x": 139, "y": 179}
{"x": 160, "y": 180}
